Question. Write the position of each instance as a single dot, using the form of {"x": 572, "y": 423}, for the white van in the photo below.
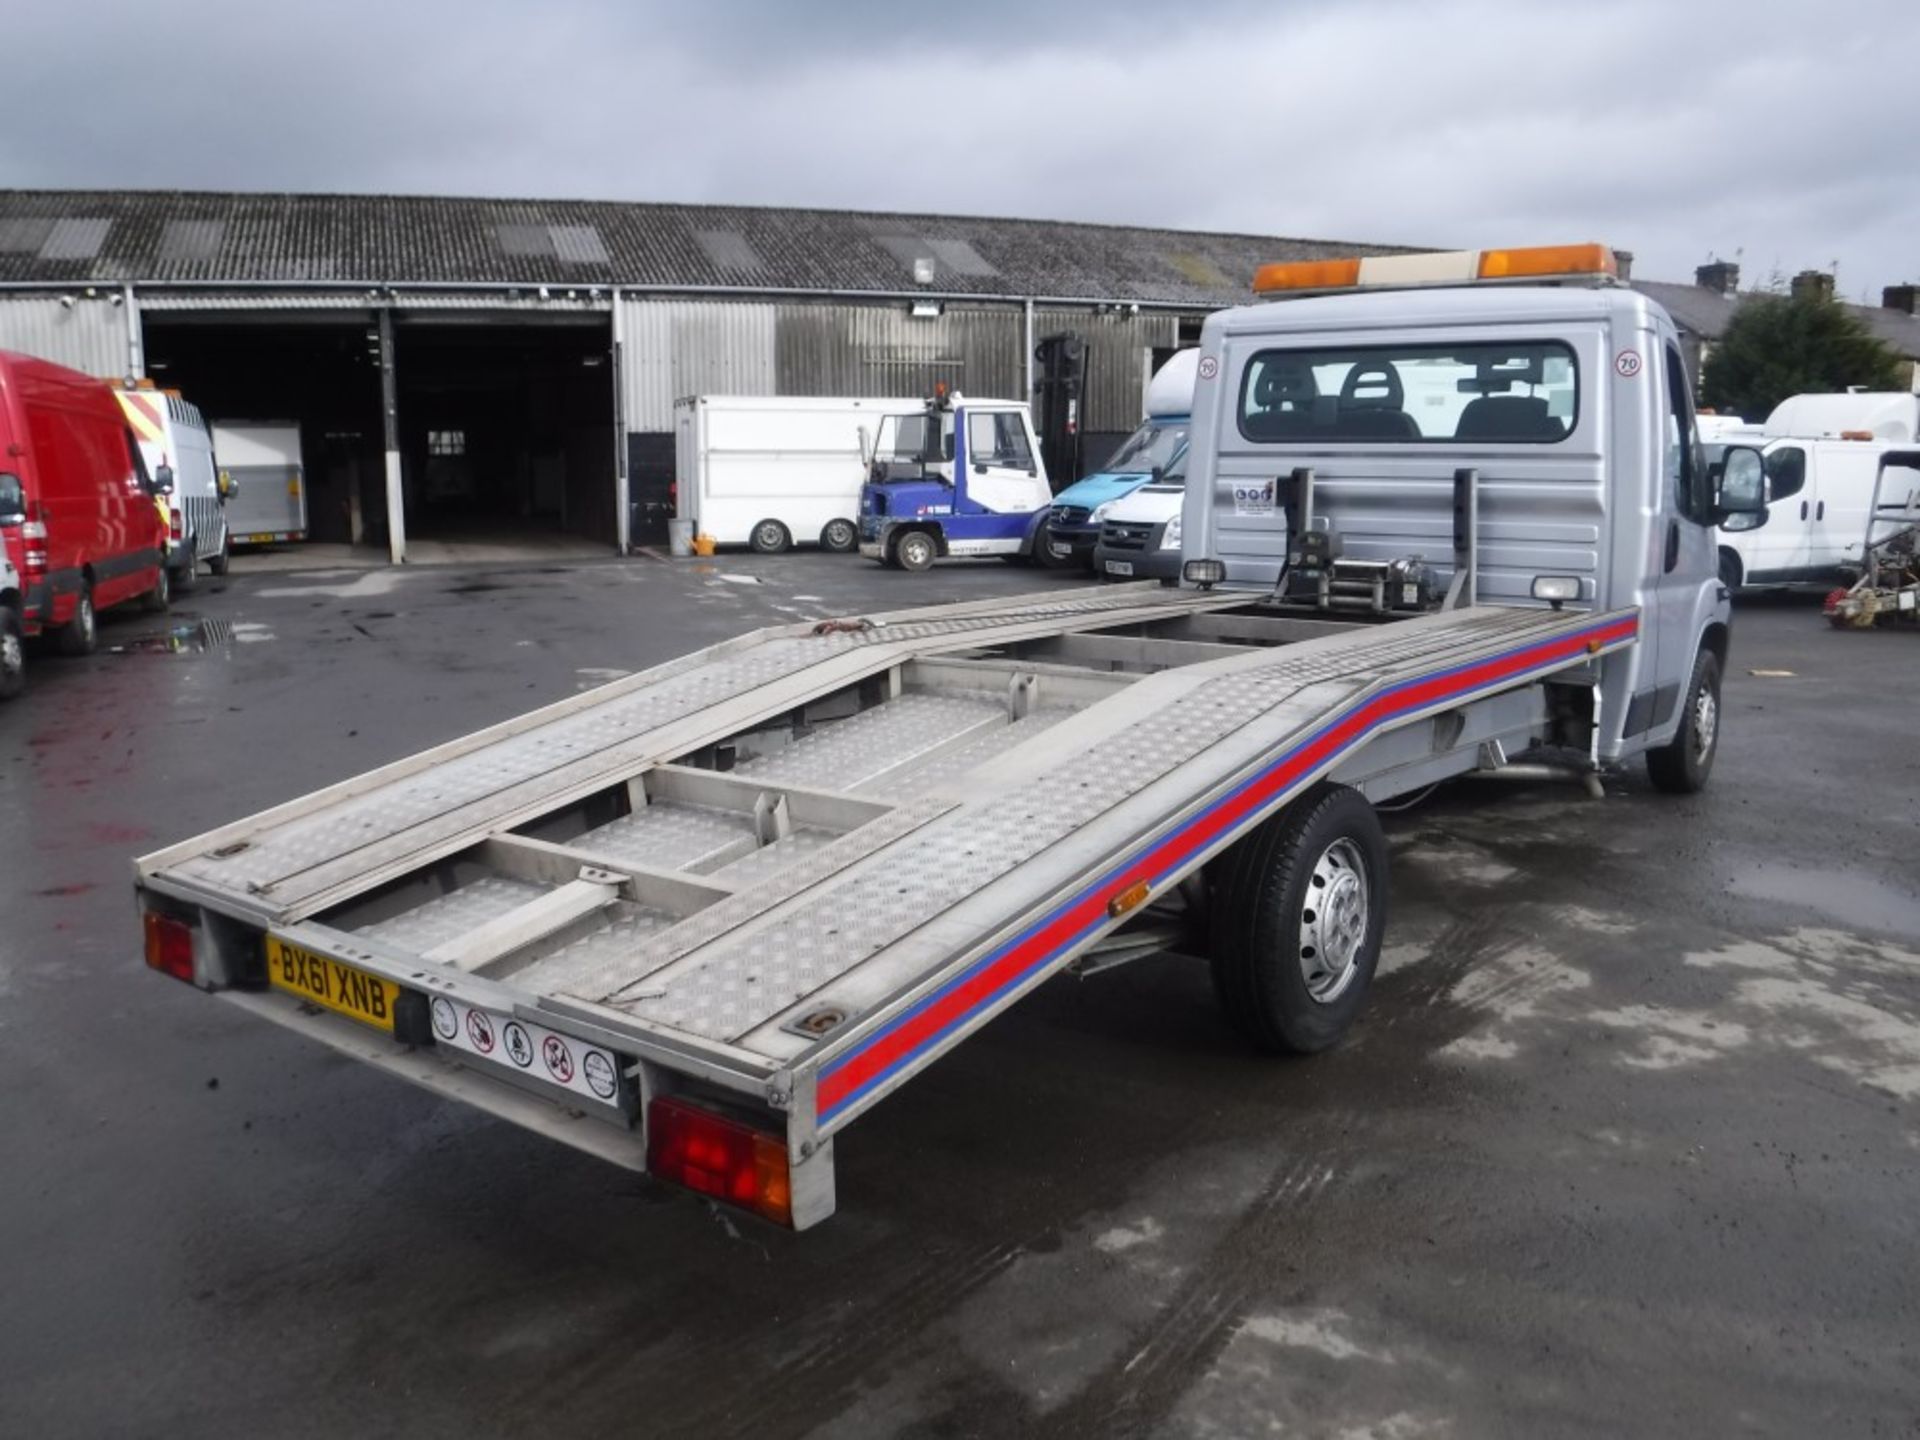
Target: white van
{"x": 1822, "y": 452}
{"x": 177, "y": 445}
{"x": 773, "y": 471}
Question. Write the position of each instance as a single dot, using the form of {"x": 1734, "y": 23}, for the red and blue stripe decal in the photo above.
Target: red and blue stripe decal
{"x": 927, "y": 1024}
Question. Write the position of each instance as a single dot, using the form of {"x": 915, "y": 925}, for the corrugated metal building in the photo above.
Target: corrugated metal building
{"x": 531, "y": 351}
{"x": 470, "y": 363}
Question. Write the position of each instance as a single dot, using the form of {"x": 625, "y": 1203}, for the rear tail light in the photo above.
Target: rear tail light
{"x": 715, "y": 1156}
{"x": 173, "y": 525}
{"x": 170, "y": 946}
{"x": 33, "y": 536}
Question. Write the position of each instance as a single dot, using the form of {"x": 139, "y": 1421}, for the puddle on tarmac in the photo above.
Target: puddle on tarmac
{"x": 195, "y": 639}
{"x": 1851, "y": 899}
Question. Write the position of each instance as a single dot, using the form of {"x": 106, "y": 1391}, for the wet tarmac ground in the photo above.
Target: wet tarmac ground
{"x": 1625, "y": 1142}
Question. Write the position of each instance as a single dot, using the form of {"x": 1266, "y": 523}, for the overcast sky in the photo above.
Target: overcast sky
{"x": 1779, "y": 134}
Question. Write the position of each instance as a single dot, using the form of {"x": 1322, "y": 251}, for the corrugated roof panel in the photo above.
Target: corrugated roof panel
{"x": 75, "y": 239}
{"x": 23, "y": 237}
{"x": 728, "y": 250}
{"x": 580, "y": 244}
{"x": 520, "y": 239}
{"x": 960, "y": 257}
{"x": 192, "y": 239}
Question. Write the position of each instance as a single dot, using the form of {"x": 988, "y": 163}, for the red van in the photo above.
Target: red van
{"x": 77, "y": 509}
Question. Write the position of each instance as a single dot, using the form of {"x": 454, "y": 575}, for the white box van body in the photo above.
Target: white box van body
{"x": 775, "y": 471}
{"x": 1822, "y": 454}
{"x": 172, "y": 433}
{"x": 262, "y": 459}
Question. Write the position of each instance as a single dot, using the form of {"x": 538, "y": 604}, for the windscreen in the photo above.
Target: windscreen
{"x": 1151, "y": 447}
{"x": 1523, "y": 393}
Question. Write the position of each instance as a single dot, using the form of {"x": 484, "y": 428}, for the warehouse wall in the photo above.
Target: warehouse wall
{"x": 89, "y": 336}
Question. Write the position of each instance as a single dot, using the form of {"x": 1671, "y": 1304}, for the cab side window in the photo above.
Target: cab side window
{"x": 1686, "y": 472}
{"x": 1786, "y": 472}
{"x": 998, "y": 439}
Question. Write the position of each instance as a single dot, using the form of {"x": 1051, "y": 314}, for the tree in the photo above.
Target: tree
{"x": 1781, "y": 345}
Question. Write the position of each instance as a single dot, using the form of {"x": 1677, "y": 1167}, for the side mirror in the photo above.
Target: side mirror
{"x": 163, "y": 480}
{"x": 13, "y": 500}
{"x": 1740, "y": 483}
{"x": 227, "y": 486}
{"x": 866, "y": 449}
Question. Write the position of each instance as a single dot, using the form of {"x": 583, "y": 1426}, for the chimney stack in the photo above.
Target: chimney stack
{"x": 1722, "y": 277}
{"x": 1898, "y": 297}
{"x": 1623, "y": 263}
{"x": 1812, "y": 285}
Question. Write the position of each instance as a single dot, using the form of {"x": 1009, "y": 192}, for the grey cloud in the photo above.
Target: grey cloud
{"x": 1676, "y": 131}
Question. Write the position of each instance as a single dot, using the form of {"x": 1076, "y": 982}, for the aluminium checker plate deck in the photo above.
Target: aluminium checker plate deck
{"x": 911, "y": 929}
{"x": 290, "y": 862}
{"x": 920, "y": 931}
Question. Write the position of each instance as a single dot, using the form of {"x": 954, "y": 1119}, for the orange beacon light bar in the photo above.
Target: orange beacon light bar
{"x": 1438, "y": 267}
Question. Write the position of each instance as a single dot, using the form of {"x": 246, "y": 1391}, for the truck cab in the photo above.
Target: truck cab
{"x": 1508, "y": 428}
{"x": 1152, "y": 452}
{"x": 960, "y": 477}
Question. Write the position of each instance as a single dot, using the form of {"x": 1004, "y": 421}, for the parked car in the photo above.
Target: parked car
{"x": 1140, "y": 538}
{"x": 76, "y": 503}
{"x": 177, "y": 445}
{"x": 1073, "y": 522}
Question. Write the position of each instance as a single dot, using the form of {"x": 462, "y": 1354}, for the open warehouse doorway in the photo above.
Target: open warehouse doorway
{"x": 506, "y": 430}
{"x": 504, "y": 422}
{"x": 316, "y": 371}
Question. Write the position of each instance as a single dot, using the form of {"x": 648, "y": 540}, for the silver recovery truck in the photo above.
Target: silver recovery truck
{"x": 699, "y": 920}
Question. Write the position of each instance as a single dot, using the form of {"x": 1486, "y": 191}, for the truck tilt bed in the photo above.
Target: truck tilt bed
{"x": 785, "y": 873}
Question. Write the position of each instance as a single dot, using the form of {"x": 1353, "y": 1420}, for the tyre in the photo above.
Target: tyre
{"x": 156, "y": 600}
{"x": 1682, "y": 766}
{"x": 13, "y": 653}
{"x": 770, "y": 537}
{"x": 1297, "y": 916}
{"x": 915, "y": 550}
{"x": 81, "y": 634}
{"x": 187, "y": 574}
{"x": 1043, "y": 555}
{"x": 1730, "y": 569}
{"x": 217, "y": 566}
{"x": 839, "y": 536}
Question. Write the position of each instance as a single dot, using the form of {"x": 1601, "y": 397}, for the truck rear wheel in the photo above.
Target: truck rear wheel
{"x": 770, "y": 537}
{"x": 217, "y": 566}
{"x": 1297, "y": 916}
{"x": 1681, "y": 766}
{"x": 184, "y": 577}
{"x": 839, "y": 536}
{"x": 81, "y": 634}
{"x": 915, "y": 550}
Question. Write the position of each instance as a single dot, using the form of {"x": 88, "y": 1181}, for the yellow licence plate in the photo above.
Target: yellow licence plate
{"x": 325, "y": 981}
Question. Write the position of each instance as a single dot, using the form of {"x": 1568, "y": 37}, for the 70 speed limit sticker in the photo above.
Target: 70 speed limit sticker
{"x": 519, "y": 1045}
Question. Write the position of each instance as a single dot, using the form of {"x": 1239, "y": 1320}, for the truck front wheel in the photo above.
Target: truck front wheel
{"x": 1681, "y": 766}
{"x": 1298, "y": 910}
{"x": 915, "y": 550}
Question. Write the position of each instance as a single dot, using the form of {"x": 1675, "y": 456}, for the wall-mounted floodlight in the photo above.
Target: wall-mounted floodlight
{"x": 926, "y": 309}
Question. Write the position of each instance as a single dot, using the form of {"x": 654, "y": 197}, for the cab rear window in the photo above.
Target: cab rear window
{"x": 1519, "y": 393}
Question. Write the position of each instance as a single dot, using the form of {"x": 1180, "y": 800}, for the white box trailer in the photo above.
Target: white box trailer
{"x": 774, "y": 471}
{"x": 700, "y": 920}
{"x": 268, "y": 504}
